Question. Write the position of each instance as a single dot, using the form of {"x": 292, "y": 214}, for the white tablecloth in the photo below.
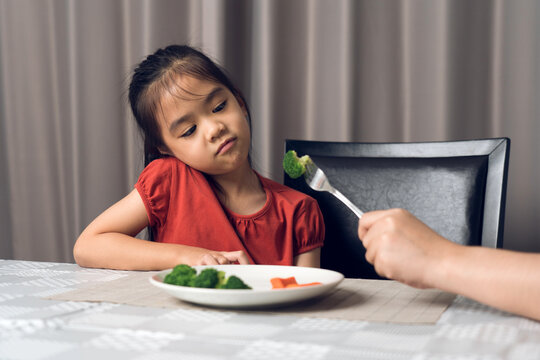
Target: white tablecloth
{"x": 32, "y": 327}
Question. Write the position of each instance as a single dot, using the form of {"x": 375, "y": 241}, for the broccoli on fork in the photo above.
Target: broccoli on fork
{"x": 295, "y": 166}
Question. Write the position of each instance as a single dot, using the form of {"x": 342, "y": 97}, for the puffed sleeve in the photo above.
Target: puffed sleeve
{"x": 308, "y": 227}
{"x": 153, "y": 186}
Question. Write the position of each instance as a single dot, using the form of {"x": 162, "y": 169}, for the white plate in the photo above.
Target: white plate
{"x": 258, "y": 277}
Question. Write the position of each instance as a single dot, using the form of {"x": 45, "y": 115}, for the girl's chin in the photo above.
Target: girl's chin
{"x": 235, "y": 166}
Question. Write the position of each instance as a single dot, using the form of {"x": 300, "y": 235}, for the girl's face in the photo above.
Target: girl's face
{"x": 203, "y": 125}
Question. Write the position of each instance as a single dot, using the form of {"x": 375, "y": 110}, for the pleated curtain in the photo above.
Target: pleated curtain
{"x": 336, "y": 70}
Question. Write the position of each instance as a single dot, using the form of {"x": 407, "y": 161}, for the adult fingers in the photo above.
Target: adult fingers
{"x": 372, "y": 216}
{"x": 369, "y": 235}
{"x": 370, "y": 255}
{"x": 371, "y": 245}
{"x": 377, "y": 251}
{"x": 368, "y": 219}
{"x": 377, "y": 239}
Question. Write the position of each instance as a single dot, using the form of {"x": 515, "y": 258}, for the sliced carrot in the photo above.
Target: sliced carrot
{"x": 280, "y": 283}
{"x": 277, "y": 283}
{"x": 290, "y": 282}
{"x": 292, "y": 286}
{"x": 300, "y": 285}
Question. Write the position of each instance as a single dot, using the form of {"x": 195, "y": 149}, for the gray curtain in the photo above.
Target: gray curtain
{"x": 341, "y": 70}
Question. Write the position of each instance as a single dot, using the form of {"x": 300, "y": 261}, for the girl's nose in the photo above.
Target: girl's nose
{"x": 215, "y": 129}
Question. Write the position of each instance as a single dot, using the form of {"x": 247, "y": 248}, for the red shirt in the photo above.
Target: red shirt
{"x": 183, "y": 209}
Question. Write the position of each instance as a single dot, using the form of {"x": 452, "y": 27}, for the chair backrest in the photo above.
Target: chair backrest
{"x": 458, "y": 188}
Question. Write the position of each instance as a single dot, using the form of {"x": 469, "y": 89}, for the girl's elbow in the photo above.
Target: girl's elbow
{"x": 79, "y": 253}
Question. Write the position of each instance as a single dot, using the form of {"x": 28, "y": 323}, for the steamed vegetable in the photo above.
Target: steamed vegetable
{"x": 210, "y": 278}
{"x": 181, "y": 275}
{"x": 234, "y": 282}
{"x": 290, "y": 282}
{"x": 293, "y": 165}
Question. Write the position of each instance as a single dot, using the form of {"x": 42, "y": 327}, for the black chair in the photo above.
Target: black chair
{"x": 458, "y": 188}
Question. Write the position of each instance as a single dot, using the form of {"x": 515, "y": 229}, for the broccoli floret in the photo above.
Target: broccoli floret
{"x": 221, "y": 279}
{"x": 181, "y": 275}
{"x": 293, "y": 165}
{"x": 185, "y": 275}
{"x": 234, "y": 282}
{"x": 208, "y": 278}
{"x": 184, "y": 269}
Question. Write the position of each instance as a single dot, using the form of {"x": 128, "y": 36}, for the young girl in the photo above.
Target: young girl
{"x": 204, "y": 203}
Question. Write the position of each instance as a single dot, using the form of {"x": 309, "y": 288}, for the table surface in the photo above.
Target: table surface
{"x": 32, "y": 327}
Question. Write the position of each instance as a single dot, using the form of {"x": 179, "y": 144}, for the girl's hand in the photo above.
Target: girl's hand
{"x": 403, "y": 248}
{"x": 209, "y": 257}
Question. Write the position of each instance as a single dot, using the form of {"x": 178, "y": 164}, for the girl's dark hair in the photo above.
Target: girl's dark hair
{"x": 156, "y": 75}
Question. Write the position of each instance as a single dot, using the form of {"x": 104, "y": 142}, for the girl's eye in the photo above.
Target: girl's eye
{"x": 190, "y": 131}
{"x": 220, "y": 107}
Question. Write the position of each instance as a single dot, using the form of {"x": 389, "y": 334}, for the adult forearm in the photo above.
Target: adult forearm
{"x": 503, "y": 279}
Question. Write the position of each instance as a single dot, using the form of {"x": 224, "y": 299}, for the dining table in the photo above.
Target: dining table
{"x": 52, "y": 310}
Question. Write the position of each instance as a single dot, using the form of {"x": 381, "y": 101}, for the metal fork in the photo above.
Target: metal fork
{"x": 317, "y": 180}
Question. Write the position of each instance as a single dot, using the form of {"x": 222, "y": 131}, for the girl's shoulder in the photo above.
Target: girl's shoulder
{"x": 165, "y": 162}
{"x": 163, "y": 165}
{"x": 164, "y": 170}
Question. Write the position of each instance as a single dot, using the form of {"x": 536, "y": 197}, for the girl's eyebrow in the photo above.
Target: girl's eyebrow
{"x": 209, "y": 98}
{"x": 216, "y": 91}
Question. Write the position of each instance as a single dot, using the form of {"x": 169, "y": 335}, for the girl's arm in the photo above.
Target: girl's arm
{"x": 311, "y": 258}
{"x": 403, "y": 248}
{"x": 309, "y": 225}
{"x": 109, "y": 242}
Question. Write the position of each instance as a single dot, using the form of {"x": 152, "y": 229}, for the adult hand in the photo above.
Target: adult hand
{"x": 401, "y": 247}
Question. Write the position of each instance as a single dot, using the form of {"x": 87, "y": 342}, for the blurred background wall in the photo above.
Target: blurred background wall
{"x": 340, "y": 70}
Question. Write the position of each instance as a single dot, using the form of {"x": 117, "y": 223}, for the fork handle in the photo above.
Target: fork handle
{"x": 347, "y": 202}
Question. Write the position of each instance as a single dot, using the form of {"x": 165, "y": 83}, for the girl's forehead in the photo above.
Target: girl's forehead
{"x": 179, "y": 96}
{"x": 187, "y": 87}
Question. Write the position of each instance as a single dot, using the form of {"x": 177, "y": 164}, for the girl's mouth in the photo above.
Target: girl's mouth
{"x": 226, "y": 146}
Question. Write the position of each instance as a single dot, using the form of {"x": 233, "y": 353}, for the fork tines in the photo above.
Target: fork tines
{"x": 311, "y": 168}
